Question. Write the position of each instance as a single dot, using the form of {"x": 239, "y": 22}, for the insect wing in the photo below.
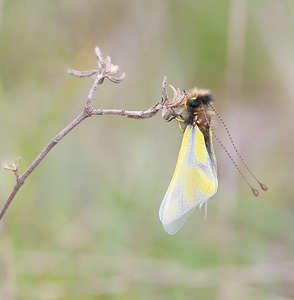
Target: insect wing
{"x": 194, "y": 180}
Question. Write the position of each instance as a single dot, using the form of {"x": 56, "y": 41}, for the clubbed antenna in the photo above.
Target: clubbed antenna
{"x": 262, "y": 185}
{"x": 254, "y": 190}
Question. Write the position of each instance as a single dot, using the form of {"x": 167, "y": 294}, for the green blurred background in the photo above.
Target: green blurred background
{"x": 85, "y": 224}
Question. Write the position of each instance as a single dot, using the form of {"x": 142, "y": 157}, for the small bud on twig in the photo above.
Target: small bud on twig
{"x": 14, "y": 167}
{"x": 105, "y": 70}
{"x": 168, "y": 105}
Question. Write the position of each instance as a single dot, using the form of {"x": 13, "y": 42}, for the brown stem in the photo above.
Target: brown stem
{"x": 21, "y": 178}
{"x": 87, "y": 112}
{"x": 105, "y": 70}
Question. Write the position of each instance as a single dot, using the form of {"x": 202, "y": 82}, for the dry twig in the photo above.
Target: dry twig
{"x": 105, "y": 70}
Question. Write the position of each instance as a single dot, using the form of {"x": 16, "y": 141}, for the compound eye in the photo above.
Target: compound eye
{"x": 194, "y": 102}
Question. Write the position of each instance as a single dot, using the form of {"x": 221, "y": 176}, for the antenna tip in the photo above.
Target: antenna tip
{"x": 263, "y": 186}
{"x": 255, "y": 192}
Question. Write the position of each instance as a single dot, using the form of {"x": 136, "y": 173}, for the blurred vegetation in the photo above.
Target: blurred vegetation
{"x": 85, "y": 224}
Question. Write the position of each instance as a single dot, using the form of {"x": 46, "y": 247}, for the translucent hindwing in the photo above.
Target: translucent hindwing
{"x": 194, "y": 180}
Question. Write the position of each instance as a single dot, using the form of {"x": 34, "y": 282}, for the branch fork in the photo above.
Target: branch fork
{"x": 105, "y": 70}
